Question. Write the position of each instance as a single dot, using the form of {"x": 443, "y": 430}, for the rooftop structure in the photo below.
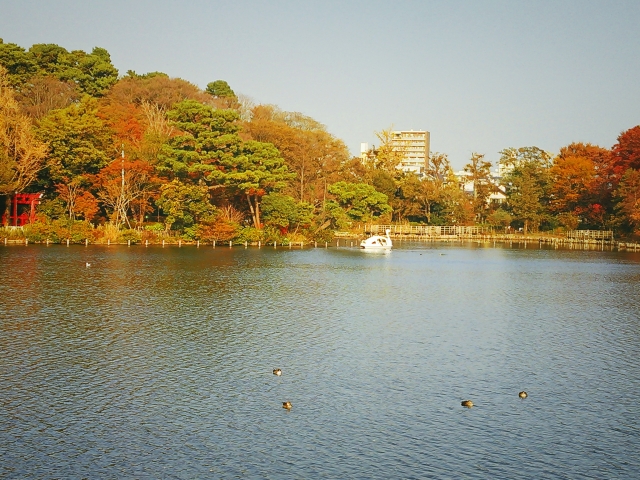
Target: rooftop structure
{"x": 467, "y": 185}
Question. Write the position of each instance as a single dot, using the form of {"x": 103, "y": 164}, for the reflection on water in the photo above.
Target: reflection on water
{"x": 157, "y": 363}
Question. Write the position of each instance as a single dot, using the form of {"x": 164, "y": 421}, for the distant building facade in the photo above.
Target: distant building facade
{"x": 467, "y": 185}
{"x": 415, "y": 144}
{"x": 364, "y": 151}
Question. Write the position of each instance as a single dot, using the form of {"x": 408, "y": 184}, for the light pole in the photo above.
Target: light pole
{"x": 122, "y": 199}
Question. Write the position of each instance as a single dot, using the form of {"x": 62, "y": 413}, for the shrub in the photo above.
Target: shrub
{"x": 248, "y": 234}
{"x": 38, "y": 231}
{"x": 52, "y": 208}
{"x": 80, "y": 231}
{"x": 568, "y": 220}
{"x": 218, "y": 229}
{"x": 59, "y": 230}
{"x": 322, "y": 236}
{"x": 12, "y": 233}
{"x": 271, "y": 234}
{"x": 151, "y": 235}
{"x": 500, "y": 218}
{"x": 129, "y": 235}
{"x": 156, "y": 227}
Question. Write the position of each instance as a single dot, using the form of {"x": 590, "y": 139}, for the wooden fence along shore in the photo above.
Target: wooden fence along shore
{"x": 588, "y": 239}
{"x": 578, "y": 239}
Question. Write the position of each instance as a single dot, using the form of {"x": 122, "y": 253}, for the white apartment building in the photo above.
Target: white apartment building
{"x": 415, "y": 145}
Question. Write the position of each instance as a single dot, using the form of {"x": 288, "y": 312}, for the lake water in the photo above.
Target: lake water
{"x": 157, "y": 363}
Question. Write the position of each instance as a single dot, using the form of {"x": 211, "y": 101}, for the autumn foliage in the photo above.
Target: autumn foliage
{"x": 146, "y": 151}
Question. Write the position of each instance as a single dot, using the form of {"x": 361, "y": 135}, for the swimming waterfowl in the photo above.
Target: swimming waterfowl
{"x": 87, "y": 264}
{"x": 523, "y": 394}
{"x": 277, "y": 371}
{"x": 286, "y": 405}
{"x": 467, "y": 403}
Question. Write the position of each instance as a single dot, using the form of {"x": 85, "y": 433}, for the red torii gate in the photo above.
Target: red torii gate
{"x": 26, "y": 215}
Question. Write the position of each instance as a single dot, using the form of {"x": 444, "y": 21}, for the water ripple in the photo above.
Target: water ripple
{"x": 156, "y": 363}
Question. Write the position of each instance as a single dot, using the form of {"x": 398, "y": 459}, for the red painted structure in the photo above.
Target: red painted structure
{"x": 23, "y": 209}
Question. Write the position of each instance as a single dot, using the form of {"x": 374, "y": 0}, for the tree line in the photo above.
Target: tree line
{"x": 124, "y": 155}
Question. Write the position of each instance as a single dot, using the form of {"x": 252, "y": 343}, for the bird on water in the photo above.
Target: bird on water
{"x": 523, "y": 394}
{"x": 467, "y": 403}
{"x": 277, "y": 371}
{"x": 286, "y": 405}
{"x": 87, "y": 264}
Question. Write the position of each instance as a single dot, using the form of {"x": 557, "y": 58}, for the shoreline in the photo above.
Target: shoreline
{"x": 348, "y": 240}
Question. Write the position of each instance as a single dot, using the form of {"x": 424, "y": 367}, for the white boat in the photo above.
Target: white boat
{"x": 377, "y": 242}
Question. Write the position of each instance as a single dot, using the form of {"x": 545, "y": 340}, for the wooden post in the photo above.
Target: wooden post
{"x": 179, "y": 243}
{"x": 67, "y": 242}
{"x": 86, "y": 242}
{"x": 245, "y": 244}
{"x": 214, "y": 244}
{"x": 163, "y": 243}
{"x": 128, "y": 243}
{"x": 275, "y": 244}
{"x": 230, "y": 243}
{"x": 198, "y": 244}
{"x": 259, "y": 243}
{"x": 47, "y": 242}
{"x": 108, "y": 242}
{"x": 146, "y": 243}
{"x": 26, "y": 241}
{"x": 315, "y": 244}
{"x": 326, "y": 244}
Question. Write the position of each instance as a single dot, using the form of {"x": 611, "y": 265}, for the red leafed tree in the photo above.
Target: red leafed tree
{"x": 628, "y": 196}
{"x": 626, "y": 152}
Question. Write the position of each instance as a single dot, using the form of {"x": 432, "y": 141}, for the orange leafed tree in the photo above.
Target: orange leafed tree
{"x": 583, "y": 182}
{"x": 573, "y": 176}
{"x": 87, "y": 205}
{"x": 306, "y": 147}
{"x": 131, "y": 191}
{"x": 126, "y": 121}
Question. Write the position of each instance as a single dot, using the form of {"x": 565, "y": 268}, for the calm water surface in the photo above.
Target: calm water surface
{"x": 156, "y": 363}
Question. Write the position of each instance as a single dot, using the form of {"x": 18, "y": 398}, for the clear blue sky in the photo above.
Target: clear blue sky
{"x": 479, "y": 75}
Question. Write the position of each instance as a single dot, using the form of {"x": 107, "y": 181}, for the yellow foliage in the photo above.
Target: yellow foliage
{"x": 21, "y": 155}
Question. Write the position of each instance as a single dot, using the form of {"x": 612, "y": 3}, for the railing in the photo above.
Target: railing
{"x": 429, "y": 230}
{"x": 591, "y": 234}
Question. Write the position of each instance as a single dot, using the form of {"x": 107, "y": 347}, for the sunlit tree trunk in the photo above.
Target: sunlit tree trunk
{"x": 254, "y": 207}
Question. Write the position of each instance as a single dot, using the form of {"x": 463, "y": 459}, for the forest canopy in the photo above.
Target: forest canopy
{"x": 114, "y": 156}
